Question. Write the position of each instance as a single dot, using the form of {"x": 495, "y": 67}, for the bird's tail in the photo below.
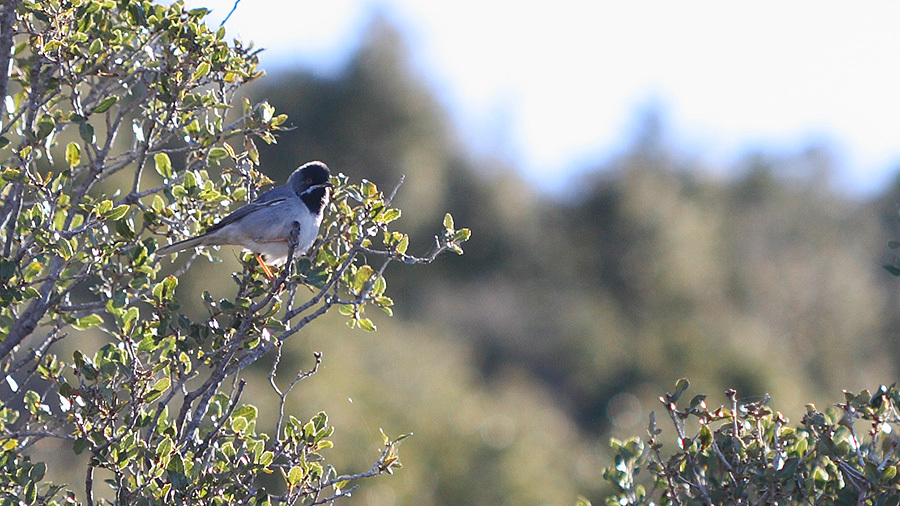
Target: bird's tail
{"x": 193, "y": 242}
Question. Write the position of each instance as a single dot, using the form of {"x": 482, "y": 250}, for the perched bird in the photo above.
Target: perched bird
{"x": 264, "y": 226}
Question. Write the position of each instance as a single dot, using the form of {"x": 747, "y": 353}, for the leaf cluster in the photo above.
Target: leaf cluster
{"x": 748, "y": 453}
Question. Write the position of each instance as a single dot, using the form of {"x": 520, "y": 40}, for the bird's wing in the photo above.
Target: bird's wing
{"x": 273, "y": 197}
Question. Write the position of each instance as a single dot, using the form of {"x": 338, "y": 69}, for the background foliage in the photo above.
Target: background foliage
{"x": 583, "y": 306}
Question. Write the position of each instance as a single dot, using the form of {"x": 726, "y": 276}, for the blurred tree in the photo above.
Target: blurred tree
{"x": 373, "y": 120}
{"x": 652, "y": 266}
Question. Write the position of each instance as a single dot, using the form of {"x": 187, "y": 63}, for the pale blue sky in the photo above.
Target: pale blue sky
{"x": 556, "y": 86}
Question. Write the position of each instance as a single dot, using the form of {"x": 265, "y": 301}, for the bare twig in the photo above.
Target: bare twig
{"x": 283, "y": 395}
{"x": 233, "y": 8}
{"x": 235, "y": 398}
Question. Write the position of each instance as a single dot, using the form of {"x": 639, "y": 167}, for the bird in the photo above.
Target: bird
{"x": 264, "y": 225}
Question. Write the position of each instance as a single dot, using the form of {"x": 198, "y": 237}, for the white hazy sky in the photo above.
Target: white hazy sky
{"x": 556, "y": 86}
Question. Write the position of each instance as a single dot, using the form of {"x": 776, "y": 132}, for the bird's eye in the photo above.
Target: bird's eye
{"x": 309, "y": 180}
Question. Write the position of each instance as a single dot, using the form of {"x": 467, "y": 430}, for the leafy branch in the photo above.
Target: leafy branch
{"x": 120, "y": 130}
{"x": 747, "y": 453}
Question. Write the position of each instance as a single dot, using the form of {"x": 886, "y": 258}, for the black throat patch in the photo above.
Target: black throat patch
{"x": 314, "y": 199}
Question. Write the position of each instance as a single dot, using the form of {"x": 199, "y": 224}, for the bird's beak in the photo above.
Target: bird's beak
{"x": 316, "y": 187}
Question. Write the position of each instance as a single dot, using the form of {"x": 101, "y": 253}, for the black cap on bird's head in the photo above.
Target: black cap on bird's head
{"x": 311, "y": 183}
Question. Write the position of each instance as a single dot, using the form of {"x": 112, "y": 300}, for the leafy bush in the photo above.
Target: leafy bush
{"x": 748, "y": 453}
{"x": 118, "y": 130}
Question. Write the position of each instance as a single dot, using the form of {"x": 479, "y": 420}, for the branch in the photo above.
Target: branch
{"x": 235, "y": 398}
{"x": 29, "y": 319}
{"x": 302, "y": 375}
{"x": 38, "y": 434}
{"x": 226, "y": 367}
{"x": 7, "y": 21}
{"x": 11, "y": 209}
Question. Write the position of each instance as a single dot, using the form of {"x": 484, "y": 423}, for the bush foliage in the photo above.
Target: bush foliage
{"x": 749, "y": 453}
{"x": 118, "y": 131}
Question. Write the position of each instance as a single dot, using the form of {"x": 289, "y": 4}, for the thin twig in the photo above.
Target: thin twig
{"x": 89, "y": 485}
{"x": 283, "y": 395}
{"x": 235, "y": 398}
{"x": 233, "y": 8}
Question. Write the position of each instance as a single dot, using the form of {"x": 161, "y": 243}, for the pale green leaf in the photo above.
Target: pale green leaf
{"x": 163, "y": 165}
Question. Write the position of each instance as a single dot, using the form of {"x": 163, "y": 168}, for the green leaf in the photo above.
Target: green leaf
{"x": 390, "y": 215}
{"x": 86, "y": 130}
{"x": 217, "y": 153}
{"x": 367, "y": 325}
{"x": 379, "y": 287}
{"x": 680, "y": 387}
{"x": 103, "y": 207}
{"x": 279, "y": 120}
{"x": 125, "y": 228}
{"x": 176, "y": 471}
{"x": 190, "y": 181}
{"x": 320, "y": 420}
{"x": 65, "y": 249}
{"x": 162, "y": 385}
{"x": 294, "y": 476}
{"x": 105, "y": 104}
{"x": 38, "y": 471}
{"x": 201, "y": 71}
{"x": 165, "y": 447}
{"x": 73, "y": 154}
{"x": 369, "y": 189}
{"x": 7, "y": 269}
{"x": 96, "y": 47}
{"x": 128, "y": 318}
{"x": 238, "y": 423}
{"x": 170, "y": 283}
{"x": 89, "y": 321}
{"x": 706, "y": 436}
{"x": 13, "y": 175}
{"x": 362, "y": 275}
{"x": 79, "y": 445}
{"x": 247, "y": 411}
{"x": 117, "y": 212}
{"x": 157, "y": 205}
{"x": 448, "y": 221}
{"x": 45, "y": 127}
{"x": 163, "y": 165}
{"x": 403, "y": 244}
{"x": 30, "y": 493}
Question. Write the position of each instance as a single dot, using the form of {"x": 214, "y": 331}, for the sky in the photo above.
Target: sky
{"x": 559, "y": 87}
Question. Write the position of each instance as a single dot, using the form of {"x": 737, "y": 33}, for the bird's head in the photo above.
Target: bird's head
{"x": 311, "y": 183}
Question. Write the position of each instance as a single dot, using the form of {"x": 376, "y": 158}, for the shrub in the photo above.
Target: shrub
{"x": 118, "y": 130}
{"x": 748, "y": 453}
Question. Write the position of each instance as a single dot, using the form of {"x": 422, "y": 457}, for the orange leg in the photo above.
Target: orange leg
{"x": 264, "y": 267}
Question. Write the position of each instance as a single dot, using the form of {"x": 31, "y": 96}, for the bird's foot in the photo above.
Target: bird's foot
{"x": 265, "y": 267}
